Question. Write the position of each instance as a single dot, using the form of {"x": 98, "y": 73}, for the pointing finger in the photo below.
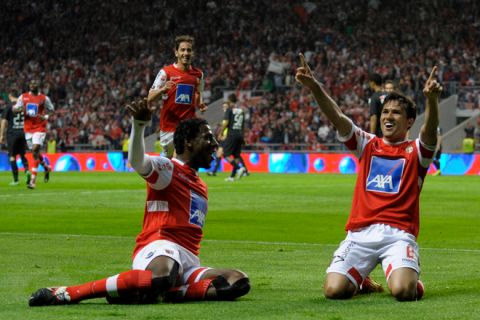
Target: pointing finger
{"x": 432, "y": 74}
{"x": 304, "y": 64}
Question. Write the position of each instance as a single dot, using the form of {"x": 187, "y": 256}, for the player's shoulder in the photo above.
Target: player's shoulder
{"x": 161, "y": 163}
{"x": 196, "y": 71}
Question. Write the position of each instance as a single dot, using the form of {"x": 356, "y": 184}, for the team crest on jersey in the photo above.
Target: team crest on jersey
{"x": 385, "y": 175}
{"x": 409, "y": 149}
{"x": 184, "y": 94}
{"x": 198, "y": 209}
{"x": 32, "y": 109}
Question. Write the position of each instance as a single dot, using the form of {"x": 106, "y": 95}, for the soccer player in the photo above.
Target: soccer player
{"x": 36, "y": 108}
{"x": 375, "y": 103}
{"x": 165, "y": 259}
{"x": 233, "y": 121}
{"x": 384, "y": 220}
{"x": 180, "y": 85}
{"x": 12, "y": 124}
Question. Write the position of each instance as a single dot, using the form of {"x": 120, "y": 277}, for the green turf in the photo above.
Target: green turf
{"x": 280, "y": 229}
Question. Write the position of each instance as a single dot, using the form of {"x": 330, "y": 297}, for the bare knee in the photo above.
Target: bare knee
{"x": 403, "y": 284}
{"x": 338, "y": 286}
{"x": 406, "y": 291}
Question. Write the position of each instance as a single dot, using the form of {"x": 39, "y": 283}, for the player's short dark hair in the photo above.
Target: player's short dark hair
{"x": 187, "y": 130}
{"x": 184, "y": 38}
{"x": 232, "y": 98}
{"x": 404, "y": 101}
{"x": 375, "y": 78}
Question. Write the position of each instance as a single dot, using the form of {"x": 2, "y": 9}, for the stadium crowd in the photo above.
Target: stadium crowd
{"x": 93, "y": 56}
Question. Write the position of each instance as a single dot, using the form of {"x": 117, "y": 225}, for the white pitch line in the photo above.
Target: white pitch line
{"x": 271, "y": 243}
{"x": 70, "y": 193}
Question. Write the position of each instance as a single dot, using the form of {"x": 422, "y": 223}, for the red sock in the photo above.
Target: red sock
{"x": 35, "y": 168}
{"x": 190, "y": 292}
{"x": 126, "y": 282}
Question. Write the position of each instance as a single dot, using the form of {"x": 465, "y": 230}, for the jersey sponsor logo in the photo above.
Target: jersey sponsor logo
{"x": 32, "y": 109}
{"x": 385, "y": 175}
{"x": 184, "y": 94}
{"x": 198, "y": 209}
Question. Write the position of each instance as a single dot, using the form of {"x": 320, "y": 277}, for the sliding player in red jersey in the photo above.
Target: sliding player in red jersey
{"x": 36, "y": 108}
{"x": 384, "y": 221}
{"x": 165, "y": 260}
{"x": 180, "y": 86}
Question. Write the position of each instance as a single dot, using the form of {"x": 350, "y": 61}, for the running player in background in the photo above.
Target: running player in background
{"x": 180, "y": 86}
{"x": 12, "y": 125}
{"x": 36, "y": 108}
{"x": 233, "y": 122}
{"x": 375, "y": 103}
{"x": 384, "y": 220}
{"x": 165, "y": 260}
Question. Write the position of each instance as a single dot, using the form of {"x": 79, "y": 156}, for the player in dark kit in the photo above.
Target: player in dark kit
{"x": 234, "y": 122}
{"x": 375, "y": 103}
{"x": 13, "y": 123}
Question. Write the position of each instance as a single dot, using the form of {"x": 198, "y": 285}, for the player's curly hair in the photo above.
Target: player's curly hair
{"x": 187, "y": 130}
{"x": 404, "y": 101}
{"x": 183, "y": 38}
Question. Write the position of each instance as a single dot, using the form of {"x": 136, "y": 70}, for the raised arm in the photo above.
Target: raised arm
{"x": 329, "y": 107}
{"x": 141, "y": 114}
{"x": 432, "y": 91}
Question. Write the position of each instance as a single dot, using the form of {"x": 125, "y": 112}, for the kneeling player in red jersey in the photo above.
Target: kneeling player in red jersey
{"x": 165, "y": 260}
{"x": 384, "y": 221}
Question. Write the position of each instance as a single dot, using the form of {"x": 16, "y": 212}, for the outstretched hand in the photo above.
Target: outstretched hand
{"x": 140, "y": 110}
{"x": 304, "y": 74}
{"x": 432, "y": 89}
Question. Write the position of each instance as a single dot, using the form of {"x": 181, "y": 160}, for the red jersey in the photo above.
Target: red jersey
{"x": 180, "y": 101}
{"x": 34, "y": 106}
{"x": 390, "y": 178}
{"x": 176, "y": 205}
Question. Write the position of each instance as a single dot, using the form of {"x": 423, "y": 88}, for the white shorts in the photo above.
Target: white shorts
{"x": 166, "y": 141}
{"x": 35, "y": 138}
{"x": 363, "y": 249}
{"x": 188, "y": 262}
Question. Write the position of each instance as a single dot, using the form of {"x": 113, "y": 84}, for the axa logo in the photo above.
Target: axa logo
{"x": 183, "y": 98}
{"x": 385, "y": 174}
{"x": 382, "y": 181}
{"x": 184, "y": 93}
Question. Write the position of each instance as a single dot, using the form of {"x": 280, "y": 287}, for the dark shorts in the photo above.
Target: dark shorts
{"x": 16, "y": 144}
{"x": 232, "y": 146}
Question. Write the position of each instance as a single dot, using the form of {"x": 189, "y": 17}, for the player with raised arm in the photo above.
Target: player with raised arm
{"x": 12, "y": 125}
{"x": 384, "y": 220}
{"x": 165, "y": 259}
{"x": 36, "y": 108}
{"x": 180, "y": 86}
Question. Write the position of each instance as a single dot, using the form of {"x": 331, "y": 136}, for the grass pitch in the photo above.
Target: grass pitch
{"x": 280, "y": 229}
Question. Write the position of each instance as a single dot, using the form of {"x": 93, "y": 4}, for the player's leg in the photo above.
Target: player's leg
{"x": 352, "y": 262}
{"x": 126, "y": 286}
{"x": 36, "y": 163}
{"x": 22, "y": 152}
{"x": 154, "y": 276}
{"x": 12, "y": 152}
{"x": 400, "y": 262}
{"x": 242, "y": 162}
{"x": 210, "y": 284}
{"x": 237, "y": 150}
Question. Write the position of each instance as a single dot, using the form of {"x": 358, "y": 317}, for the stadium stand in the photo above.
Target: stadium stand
{"x": 93, "y": 56}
